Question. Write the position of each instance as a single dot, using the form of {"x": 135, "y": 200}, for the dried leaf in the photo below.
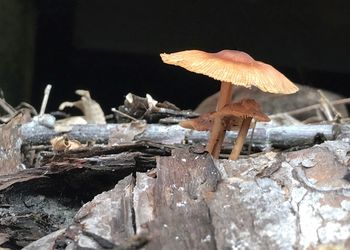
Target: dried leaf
{"x": 91, "y": 109}
{"x": 62, "y": 143}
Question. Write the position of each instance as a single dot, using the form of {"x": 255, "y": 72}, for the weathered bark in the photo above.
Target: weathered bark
{"x": 116, "y": 215}
{"x": 37, "y": 201}
{"x": 179, "y": 199}
{"x": 291, "y": 200}
{"x": 139, "y": 156}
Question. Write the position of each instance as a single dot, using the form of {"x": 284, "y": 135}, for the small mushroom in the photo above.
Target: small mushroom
{"x": 230, "y": 67}
{"x": 246, "y": 109}
{"x": 205, "y": 122}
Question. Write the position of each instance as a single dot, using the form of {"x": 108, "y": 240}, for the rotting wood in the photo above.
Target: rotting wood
{"x": 102, "y": 213}
{"x": 139, "y": 156}
{"x": 264, "y": 136}
{"x": 182, "y": 217}
{"x": 31, "y": 199}
{"x": 144, "y": 201}
{"x": 105, "y": 223}
{"x": 34, "y": 208}
{"x": 291, "y": 200}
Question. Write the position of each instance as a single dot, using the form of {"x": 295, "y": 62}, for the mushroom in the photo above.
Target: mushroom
{"x": 246, "y": 109}
{"x": 205, "y": 122}
{"x": 230, "y": 67}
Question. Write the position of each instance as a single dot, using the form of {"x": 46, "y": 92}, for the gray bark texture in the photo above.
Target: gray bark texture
{"x": 265, "y": 137}
{"x": 274, "y": 200}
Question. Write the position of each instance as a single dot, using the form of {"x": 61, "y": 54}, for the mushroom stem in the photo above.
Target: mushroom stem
{"x": 220, "y": 141}
{"x": 225, "y": 95}
{"x": 243, "y": 131}
{"x": 217, "y": 134}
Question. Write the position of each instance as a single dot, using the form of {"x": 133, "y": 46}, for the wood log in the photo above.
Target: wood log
{"x": 264, "y": 136}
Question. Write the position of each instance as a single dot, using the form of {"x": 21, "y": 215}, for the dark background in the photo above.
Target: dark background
{"x": 112, "y": 47}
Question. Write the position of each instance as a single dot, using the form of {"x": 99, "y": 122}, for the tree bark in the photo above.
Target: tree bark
{"x": 291, "y": 200}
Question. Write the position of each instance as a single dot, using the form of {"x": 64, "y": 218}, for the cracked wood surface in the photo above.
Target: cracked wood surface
{"x": 290, "y": 200}
{"x": 182, "y": 216}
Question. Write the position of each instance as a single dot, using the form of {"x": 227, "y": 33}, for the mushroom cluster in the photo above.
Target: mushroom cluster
{"x": 247, "y": 109}
{"x": 230, "y": 67}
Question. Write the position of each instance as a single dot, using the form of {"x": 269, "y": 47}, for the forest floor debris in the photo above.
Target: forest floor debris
{"x": 149, "y": 183}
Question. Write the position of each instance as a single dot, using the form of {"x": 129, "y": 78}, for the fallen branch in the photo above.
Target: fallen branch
{"x": 264, "y": 137}
{"x": 316, "y": 106}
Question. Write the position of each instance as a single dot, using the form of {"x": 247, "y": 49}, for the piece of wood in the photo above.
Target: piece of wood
{"x": 104, "y": 213}
{"x": 182, "y": 219}
{"x": 291, "y": 200}
{"x": 144, "y": 201}
{"x": 110, "y": 160}
{"x": 264, "y": 136}
{"x": 37, "y": 201}
{"x": 103, "y": 223}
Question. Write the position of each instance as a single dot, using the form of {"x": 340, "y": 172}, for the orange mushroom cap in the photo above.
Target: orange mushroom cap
{"x": 233, "y": 66}
{"x": 206, "y": 121}
{"x": 245, "y": 108}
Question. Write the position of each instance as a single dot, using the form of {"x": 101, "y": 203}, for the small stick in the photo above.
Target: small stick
{"x": 335, "y": 111}
{"x": 29, "y": 106}
{"x": 316, "y": 106}
{"x": 123, "y": 114}
{"x": 325, "y": 109}
{"x": 45, "y": 99}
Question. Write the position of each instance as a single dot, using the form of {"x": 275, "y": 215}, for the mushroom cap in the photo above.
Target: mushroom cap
{"x": 205, "y": 122}
{"x": 233, "y": 66}
{"x": 245, "y": 108}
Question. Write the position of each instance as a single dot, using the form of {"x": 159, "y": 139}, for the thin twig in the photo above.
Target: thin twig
{"x": 123, "y": 114}
{"x": 325, "y": 107}
{"x": 28, "y": 106}
{"x": 336, "y": 113}
{"x": 7, "y": 107}
{"x": 316, "y": 106}
{"x": 45, "y": 99}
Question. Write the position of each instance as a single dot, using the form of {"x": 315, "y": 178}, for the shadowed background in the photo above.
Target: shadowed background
{"x": 112, "y": 47}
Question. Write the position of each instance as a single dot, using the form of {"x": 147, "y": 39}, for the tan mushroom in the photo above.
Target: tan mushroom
{"x": 246, "y": 109}
{"x": 230, "y": 67}
{"x": 205, "y": 122}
